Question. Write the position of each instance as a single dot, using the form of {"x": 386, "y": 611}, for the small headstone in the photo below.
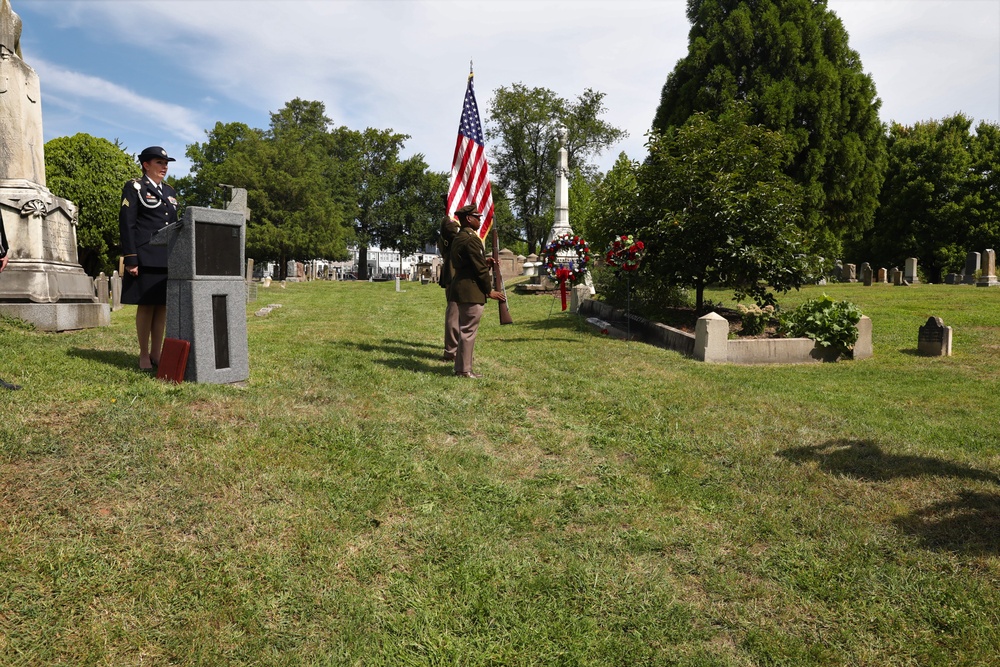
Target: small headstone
{"x": 250, "y": 269}
{"x": 934, "y": 339}
{"x": 116, "y": 291}
{"x": 103, "y": 288}
{"x": 897, "y": 276}
{"x": 988, "y": 277}
{"x": 883, "y": 275}
{"x": 848, "y": 275}
{"x": 952, "y": 279}
{"x": 866, "y": 274}
{"x": 266, "y": 282}
{"x": 910, "y": 274}
{"x": 971, "y": 266}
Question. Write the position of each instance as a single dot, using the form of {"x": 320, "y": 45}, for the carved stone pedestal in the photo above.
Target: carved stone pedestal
{"x": 44, "y": 283}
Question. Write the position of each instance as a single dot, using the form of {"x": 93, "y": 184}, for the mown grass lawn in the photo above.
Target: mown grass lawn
{"x": 590, "y": 502}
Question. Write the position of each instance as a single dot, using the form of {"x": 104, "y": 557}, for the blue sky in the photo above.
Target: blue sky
{"x": 161, "y": 73}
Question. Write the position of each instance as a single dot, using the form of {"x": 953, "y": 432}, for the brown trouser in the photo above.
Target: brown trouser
{"x": 469, "y": 315}
{"x": 451, "y": 329}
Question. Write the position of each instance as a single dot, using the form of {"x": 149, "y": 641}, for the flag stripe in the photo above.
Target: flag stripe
{"x": 470, "y": 172}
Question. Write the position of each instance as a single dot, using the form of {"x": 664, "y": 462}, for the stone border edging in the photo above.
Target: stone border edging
{"x": 711, "y": 343}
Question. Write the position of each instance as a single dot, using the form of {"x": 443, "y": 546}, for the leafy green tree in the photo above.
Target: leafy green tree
{"x": 939, "y": 199}
{"x": 398, "y": 200}
{"x": 522, "y": 124}
{"x": 299, "y": 186}
{"x": 716, "y": 208}
{"x": 614, "y": 205}
{"x": 90, "y": 172}
{"x": 791, "y": 62}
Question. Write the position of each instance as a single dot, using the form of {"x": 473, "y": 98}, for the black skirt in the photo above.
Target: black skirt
{"x": 149, "y": 288}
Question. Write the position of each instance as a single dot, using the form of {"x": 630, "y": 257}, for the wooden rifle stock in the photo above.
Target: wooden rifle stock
{"x": 505, "y": 317}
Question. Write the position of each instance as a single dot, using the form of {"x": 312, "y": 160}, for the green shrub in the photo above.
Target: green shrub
{"x": 755, "y": 318}
{"x": 832, "y": 324}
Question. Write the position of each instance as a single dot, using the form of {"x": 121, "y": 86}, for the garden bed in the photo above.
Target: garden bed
{"x": 708, "y": 337}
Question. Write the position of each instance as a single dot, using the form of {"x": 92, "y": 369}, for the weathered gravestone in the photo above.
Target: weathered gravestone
{"x": 883, "y": 275}
{"x": 971, "y": 267}
{"x": 116, "y": 291}
{"x": 953, "y": 279}
{"x": 897, "y": 276}
{"x": 934, "y": 338}
{"x": 866, "y": 274}
{"x": 910, "y": 273}
{"x": 103, "y": 288}
{"x": 988, "y": 276}
{"x": 848, "y": 274}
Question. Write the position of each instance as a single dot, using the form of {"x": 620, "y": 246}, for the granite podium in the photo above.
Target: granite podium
{"x": 206, "y": 292}
{"x": 44, "y": 283}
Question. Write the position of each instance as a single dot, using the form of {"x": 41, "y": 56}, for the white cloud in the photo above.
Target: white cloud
{"x": 90, "y": 95}
{"x": 403, "y": 64}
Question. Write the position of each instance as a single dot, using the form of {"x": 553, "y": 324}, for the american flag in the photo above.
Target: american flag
{"x": 470, "y": 175}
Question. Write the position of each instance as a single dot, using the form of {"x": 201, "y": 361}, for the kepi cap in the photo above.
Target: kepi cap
{"x": 152, "y": 152}
{"x": 469, "y": 209}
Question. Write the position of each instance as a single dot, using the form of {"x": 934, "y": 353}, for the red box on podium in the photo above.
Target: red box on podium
{"x": 173, "y": 359}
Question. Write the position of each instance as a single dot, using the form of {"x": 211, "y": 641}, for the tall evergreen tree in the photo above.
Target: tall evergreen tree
{"x": 790, "y": 60}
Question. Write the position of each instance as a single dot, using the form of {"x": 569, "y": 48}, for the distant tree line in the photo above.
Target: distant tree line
{"x": 313, "y": 188}
{"x": 766, "y": 155}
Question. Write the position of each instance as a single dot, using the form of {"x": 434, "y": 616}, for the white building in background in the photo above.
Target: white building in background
{"x": 386, "y": 263}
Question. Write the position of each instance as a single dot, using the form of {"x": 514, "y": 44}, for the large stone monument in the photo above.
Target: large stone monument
{"x": 561, "y": 224}
{"x": 44, "y": 283}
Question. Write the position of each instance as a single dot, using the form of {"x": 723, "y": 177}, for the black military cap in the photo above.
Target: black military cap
{"x": 152, "y": 152}
{"x": 469, "y": 209}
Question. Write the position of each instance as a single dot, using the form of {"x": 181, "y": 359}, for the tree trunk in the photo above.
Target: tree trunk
{"x": 699, "y": 297}
{"x": 363, "y": 262}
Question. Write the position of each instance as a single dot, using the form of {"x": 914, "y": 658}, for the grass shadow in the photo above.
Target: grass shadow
{"x": 864, "y": 459}
{"x": 117, "y": 358}
{"x": 969, "y": 524}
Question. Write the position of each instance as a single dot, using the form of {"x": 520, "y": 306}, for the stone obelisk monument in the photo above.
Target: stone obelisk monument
{"x": 44, "y": 283}
{"x": 561, "y": 224}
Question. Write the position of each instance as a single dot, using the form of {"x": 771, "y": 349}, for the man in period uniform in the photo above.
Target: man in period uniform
{"x": 470, "y": 285}
{"x": 449, "y": 229}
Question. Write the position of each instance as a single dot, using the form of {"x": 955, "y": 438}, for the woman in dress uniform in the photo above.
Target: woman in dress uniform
{"x": 148, "y": 205}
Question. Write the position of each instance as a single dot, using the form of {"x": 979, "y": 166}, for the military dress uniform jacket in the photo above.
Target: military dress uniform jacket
{"x": 470, "y": 282}
{"x": 144, "y": 212}
{"x": 449, "y": 229}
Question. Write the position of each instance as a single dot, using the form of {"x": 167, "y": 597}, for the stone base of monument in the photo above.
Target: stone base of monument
{"x": 211, "y": 314}
{"x": 44, "y": 283}
{"x": 60, "y": 316}
{"x": 988, "y": 281}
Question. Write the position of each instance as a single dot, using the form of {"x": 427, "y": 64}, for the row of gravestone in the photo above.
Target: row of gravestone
{"x": 849, "y": 273}
{"x": 980, "y": 270}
